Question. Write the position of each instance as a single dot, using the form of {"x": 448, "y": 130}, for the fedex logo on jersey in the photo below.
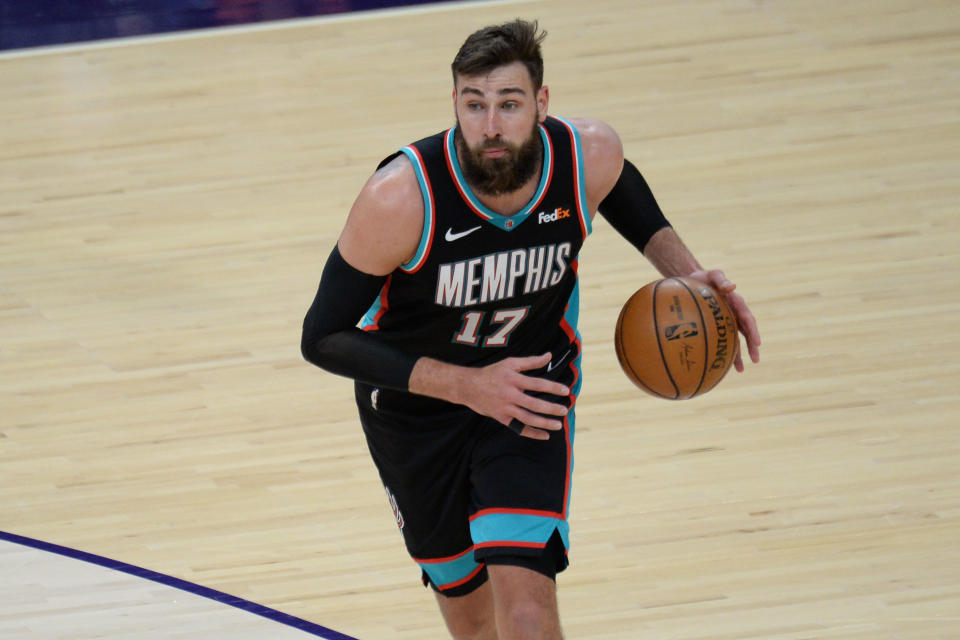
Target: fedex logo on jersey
{"x": 501, "y": 275}
{"x": 558, "y": 214}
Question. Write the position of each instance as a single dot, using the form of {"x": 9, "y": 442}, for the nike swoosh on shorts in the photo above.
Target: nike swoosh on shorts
{"x": 554, "y": 365}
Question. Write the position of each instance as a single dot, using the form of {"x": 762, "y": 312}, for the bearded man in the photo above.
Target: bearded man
{"x": 459, "y": 259}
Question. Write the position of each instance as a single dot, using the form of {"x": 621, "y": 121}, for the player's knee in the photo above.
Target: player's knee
{"x": 471, "y": 624}
{"x": 527, "y": 618}
{"x": 481, "y": 628}
{"x": 526, "y": 603}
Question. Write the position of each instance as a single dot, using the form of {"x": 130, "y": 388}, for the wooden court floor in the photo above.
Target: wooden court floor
{"x": 166, "y": 207}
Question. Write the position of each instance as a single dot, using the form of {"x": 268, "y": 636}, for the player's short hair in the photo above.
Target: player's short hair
{"x": 499, "y": 45}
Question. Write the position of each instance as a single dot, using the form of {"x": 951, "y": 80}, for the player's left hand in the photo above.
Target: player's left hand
{"x": 745, "y": 320}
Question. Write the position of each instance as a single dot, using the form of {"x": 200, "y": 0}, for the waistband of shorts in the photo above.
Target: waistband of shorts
{"x": 382, "y": 399}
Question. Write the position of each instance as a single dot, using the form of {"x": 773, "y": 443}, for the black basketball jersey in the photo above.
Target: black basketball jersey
{"x": 484, "y": 286}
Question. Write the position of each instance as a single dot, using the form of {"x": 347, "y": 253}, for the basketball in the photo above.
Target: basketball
{"x": 676, "y": 338}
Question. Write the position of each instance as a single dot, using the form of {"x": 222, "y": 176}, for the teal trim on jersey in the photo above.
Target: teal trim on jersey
{"x": 507, "y": 223}
{"x": 581, "y": 183}
{"x": 572, "y": 426}
{"x": 572, "y": 317}
{"x": 370, "y": 317}
{"x": 518, "y": 527}
{"x": 428, "y": 216}
{"x": 444, "y": 573}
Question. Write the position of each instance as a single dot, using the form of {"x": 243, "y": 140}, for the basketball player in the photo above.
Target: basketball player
{"x": 460, "y": 255}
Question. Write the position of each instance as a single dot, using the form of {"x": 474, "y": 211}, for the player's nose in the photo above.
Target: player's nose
{"x": 491, "y": 124}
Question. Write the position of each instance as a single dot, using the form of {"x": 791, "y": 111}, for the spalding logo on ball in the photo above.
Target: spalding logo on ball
{"x": 676, "y": 338}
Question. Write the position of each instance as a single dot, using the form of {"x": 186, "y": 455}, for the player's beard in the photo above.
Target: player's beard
{"x": 509, "y": 172}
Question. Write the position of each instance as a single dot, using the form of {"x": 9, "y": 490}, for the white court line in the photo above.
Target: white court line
{"x": 272, "y": 25}
{"x": 50, "y": 592}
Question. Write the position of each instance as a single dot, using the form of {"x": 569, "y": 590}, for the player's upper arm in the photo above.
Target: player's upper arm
{"x": 602, "y": 158}
{"x": 385, "y": 223}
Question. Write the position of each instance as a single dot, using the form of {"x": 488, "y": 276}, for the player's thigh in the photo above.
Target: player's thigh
{"x": 521, "y": 492}
{"x": 424, "y": 464}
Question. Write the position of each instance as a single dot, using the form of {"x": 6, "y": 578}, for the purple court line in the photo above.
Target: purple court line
{"x": 183, "y": 585}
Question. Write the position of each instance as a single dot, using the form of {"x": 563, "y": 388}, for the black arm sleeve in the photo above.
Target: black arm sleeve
{"x": 331, "y": 339}
{"x": 631, "y": 208}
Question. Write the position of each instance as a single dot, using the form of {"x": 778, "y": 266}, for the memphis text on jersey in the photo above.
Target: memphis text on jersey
{"x": 501, "y": 275}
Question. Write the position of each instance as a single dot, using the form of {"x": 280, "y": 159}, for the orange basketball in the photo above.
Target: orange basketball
{"x": 676, "y": 338}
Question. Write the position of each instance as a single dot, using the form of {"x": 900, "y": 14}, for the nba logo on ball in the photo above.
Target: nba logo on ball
{"x": 676, "y": 338}
{"x": 677, "y": 331}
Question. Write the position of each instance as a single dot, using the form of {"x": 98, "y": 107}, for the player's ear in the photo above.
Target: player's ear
{"x": 543, "y": 101}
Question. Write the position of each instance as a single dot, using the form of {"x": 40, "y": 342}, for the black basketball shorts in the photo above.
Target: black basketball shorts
{"x": 465, "y": 488}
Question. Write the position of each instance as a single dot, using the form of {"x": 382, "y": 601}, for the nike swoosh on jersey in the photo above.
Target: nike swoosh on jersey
{"x": 451, "y": 236}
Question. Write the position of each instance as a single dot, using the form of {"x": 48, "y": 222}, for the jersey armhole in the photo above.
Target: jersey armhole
{"x": 579, "y": 183}
{"x": 426, "y": 236}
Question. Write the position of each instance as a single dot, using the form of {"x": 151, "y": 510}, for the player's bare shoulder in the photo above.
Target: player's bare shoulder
{"x": 385, "y": 223}
{"x": 602, "y": 157}
{"x": 395, "y": 179}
